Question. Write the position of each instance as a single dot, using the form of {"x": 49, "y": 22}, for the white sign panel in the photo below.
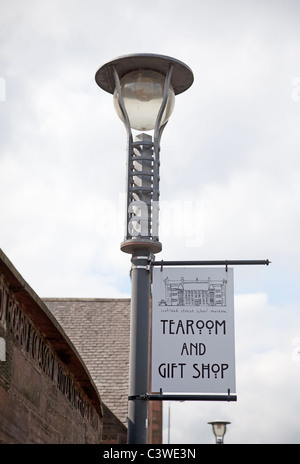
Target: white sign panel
{"x": 193, "y": 330}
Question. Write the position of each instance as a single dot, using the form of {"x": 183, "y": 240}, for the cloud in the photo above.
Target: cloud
{"x": 229, "y": 171}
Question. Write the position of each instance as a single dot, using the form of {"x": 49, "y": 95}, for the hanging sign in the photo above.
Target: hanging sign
{"x": 193, "y": 330}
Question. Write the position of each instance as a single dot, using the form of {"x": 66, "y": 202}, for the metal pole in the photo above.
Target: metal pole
{"x": 169, "y": 423}
{"x": 141, "y": 238}
{"x": 227, "y": 262}
{"x": 141, "y": 243}
{"x": 139, "y": 347}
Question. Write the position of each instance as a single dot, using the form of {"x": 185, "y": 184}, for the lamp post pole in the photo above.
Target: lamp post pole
{"x": 144, "y": 88}
{"x": 139, "y": 348}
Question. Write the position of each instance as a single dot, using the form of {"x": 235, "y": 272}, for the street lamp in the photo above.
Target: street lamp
{"x": 219, "y": 430}
{"x": 144, "y": 88}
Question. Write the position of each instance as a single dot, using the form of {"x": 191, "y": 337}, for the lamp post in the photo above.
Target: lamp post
{"x": 219, "y": 430}
{"x": 144, "y": 88}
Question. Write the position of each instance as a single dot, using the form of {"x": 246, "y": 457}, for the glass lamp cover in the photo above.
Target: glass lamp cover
{"x": 142, "y": 92}
{"x": 219, "y": 429}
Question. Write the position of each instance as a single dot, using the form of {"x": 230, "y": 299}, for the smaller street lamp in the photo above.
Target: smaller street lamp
{"x": 219, "y": 430}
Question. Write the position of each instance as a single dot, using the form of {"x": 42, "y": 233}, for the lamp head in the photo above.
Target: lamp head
{"x": 142, "y": 79}
{"x": 219, "y": 429}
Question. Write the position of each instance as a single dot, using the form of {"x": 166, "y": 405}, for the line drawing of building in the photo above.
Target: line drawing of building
{"x": 196, "y": 292}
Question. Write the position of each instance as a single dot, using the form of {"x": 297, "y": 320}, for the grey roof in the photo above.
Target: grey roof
{"x": 99, "y": 329}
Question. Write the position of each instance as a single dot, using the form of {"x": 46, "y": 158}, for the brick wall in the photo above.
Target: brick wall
{"x": 114, "y": 431}
{"x": 46, "y": 395}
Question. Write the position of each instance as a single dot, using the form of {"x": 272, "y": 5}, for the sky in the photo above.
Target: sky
{"x": 229, "y": 176}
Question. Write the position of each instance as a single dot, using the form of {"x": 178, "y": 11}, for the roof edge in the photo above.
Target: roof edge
{"x": 51, "y": 329}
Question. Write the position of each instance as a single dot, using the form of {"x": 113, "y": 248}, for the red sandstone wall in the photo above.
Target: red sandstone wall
{"x": 40, "y": 402}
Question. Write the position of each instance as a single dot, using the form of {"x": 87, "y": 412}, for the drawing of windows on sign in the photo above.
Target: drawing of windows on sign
{"x": 197, "y": 292}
